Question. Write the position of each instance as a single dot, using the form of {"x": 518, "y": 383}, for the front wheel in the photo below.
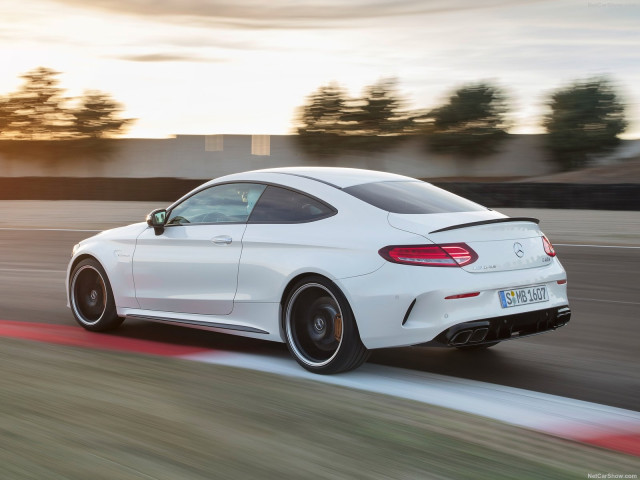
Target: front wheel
{"x": 91, "y": 297}
{"x": 321, "y": 331}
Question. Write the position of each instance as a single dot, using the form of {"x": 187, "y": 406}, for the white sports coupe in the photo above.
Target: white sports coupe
{"x": 332, "y": 261}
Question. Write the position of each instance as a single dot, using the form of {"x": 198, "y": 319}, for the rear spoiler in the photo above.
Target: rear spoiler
{"x": 486, "y": 222}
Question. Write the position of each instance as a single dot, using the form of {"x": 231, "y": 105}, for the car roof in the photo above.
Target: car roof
{"x": 338, "y": 177}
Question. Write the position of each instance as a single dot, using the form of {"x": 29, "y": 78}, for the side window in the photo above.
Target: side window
{"x": 279, "y": 205}
{"x": 228, "y": 203}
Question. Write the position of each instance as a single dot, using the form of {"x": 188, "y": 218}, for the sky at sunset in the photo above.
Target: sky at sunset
{"x": 243, "y": 66}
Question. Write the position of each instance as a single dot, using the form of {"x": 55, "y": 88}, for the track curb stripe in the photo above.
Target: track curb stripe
{"x": 76, "y": 336}
{"x": 585, "y": 422}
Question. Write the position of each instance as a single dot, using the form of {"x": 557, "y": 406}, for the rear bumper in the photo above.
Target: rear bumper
{"x": 400, "y": 305}
{"x": 503, "y": 328}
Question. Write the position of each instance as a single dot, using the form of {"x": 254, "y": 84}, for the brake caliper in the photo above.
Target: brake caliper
{"x": 337, "y": 327}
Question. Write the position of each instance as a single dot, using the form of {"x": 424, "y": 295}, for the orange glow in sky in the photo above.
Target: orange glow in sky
{"x": 208, "y": 66}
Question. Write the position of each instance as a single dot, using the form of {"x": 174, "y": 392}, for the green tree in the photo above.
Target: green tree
{"x": 61, "y": 127}
{"x": 320, "y": 121}
{"x": 36, "y": 110}
{"x": 98, "y": 116}
{"x": 5, "y": 114}
{"x": 322, "y": 114}
{"x": 39, "y": 111}
{"x": 585, "y": 120}
{"x": 331, "y": 123}
{"x": 472, "y": 123}
{"x": 378, "y": 112}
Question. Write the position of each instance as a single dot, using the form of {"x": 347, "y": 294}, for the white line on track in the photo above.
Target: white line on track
{"x": 47, "y": 230}
{"x": 32, "y": 270}
{"x": 591, "y": 246}
{"x": 604, "y": 301}
{"x": 565, "y": 417}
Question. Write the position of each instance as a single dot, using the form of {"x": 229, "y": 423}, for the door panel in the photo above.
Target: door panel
{"x": 188, "y": 268}
{"x": 192, "y": 266}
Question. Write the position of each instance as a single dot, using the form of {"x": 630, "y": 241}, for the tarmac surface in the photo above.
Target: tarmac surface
{"x": 594, "y": 358}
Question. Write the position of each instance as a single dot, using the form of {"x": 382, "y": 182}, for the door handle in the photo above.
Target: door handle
{"x": 222, "y": 240}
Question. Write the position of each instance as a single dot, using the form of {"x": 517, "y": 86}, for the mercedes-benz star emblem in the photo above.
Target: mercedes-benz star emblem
{"x": 518, "y": 249}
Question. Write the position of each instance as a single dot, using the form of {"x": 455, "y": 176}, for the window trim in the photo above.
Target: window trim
{"x": 333, "y": 210}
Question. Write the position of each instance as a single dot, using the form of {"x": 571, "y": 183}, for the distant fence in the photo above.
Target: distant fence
{"x": 523, "y": 195}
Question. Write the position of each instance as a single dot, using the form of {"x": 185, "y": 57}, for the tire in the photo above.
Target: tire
{"x": 483, "y": 346}
{"x": 320, "y": 328}
{"x": 91, "y": 297}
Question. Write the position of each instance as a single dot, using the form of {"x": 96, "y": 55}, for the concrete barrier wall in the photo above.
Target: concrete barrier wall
{"x": 495, "y": 195}
{"x": 206, "y": 157}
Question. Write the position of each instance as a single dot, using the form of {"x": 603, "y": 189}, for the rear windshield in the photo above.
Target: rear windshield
{"x": 412, "y": 197}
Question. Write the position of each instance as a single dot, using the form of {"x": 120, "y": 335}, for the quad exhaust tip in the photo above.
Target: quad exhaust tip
{"x": 496, "y": 329}
{"x": 476, "y": 335}
{"x": 479, "y": 335}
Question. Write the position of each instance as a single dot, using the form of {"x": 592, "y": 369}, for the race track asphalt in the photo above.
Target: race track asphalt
{"x": 594, "y": 358}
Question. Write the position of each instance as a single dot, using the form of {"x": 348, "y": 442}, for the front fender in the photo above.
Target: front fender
{"x": 114, "y": 250}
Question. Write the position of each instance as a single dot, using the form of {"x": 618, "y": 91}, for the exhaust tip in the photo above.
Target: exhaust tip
{"x": 562, "y": 317}
{"x": 461, "y": 338}
{"x": 479, "y": 335}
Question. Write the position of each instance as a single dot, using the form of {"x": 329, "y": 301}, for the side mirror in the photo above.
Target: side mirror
{"x": 157, "y": 219}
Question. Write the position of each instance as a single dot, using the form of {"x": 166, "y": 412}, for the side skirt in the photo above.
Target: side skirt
{"x": 197, "y": 324}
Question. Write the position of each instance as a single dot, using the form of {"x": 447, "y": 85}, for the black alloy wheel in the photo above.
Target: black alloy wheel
{"x": 91, "y": 297}
{"x": 320, "y": 328}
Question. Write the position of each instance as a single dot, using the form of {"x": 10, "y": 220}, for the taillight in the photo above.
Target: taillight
{"x": 449, "y": 255}
{"x": 548, "y": 248}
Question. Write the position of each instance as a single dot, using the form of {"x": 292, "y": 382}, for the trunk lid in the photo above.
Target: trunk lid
{"x": 502, "y": 243}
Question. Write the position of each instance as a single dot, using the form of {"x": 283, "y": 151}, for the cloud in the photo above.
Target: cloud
{"x": 257, "y": 14}
{"x": 166, "y": 57}
{"x": 190, "y": 40}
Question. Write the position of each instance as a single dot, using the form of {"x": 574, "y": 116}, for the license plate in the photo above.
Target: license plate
{"x": 517, "y": 297}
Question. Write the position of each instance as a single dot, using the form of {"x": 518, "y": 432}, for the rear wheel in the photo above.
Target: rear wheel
{"x": 321, "y": 331}
{"x": 91, "y": 297}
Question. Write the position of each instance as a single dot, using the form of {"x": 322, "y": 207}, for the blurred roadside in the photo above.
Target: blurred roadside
{"x": 73, "y": 214}
{"x": 594, "y": 227}
{"x": 617, "y": 173}
{"x": 177, "y": 419}
{"x": 611, "y": 187}
{"x": 589, "y": 227}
